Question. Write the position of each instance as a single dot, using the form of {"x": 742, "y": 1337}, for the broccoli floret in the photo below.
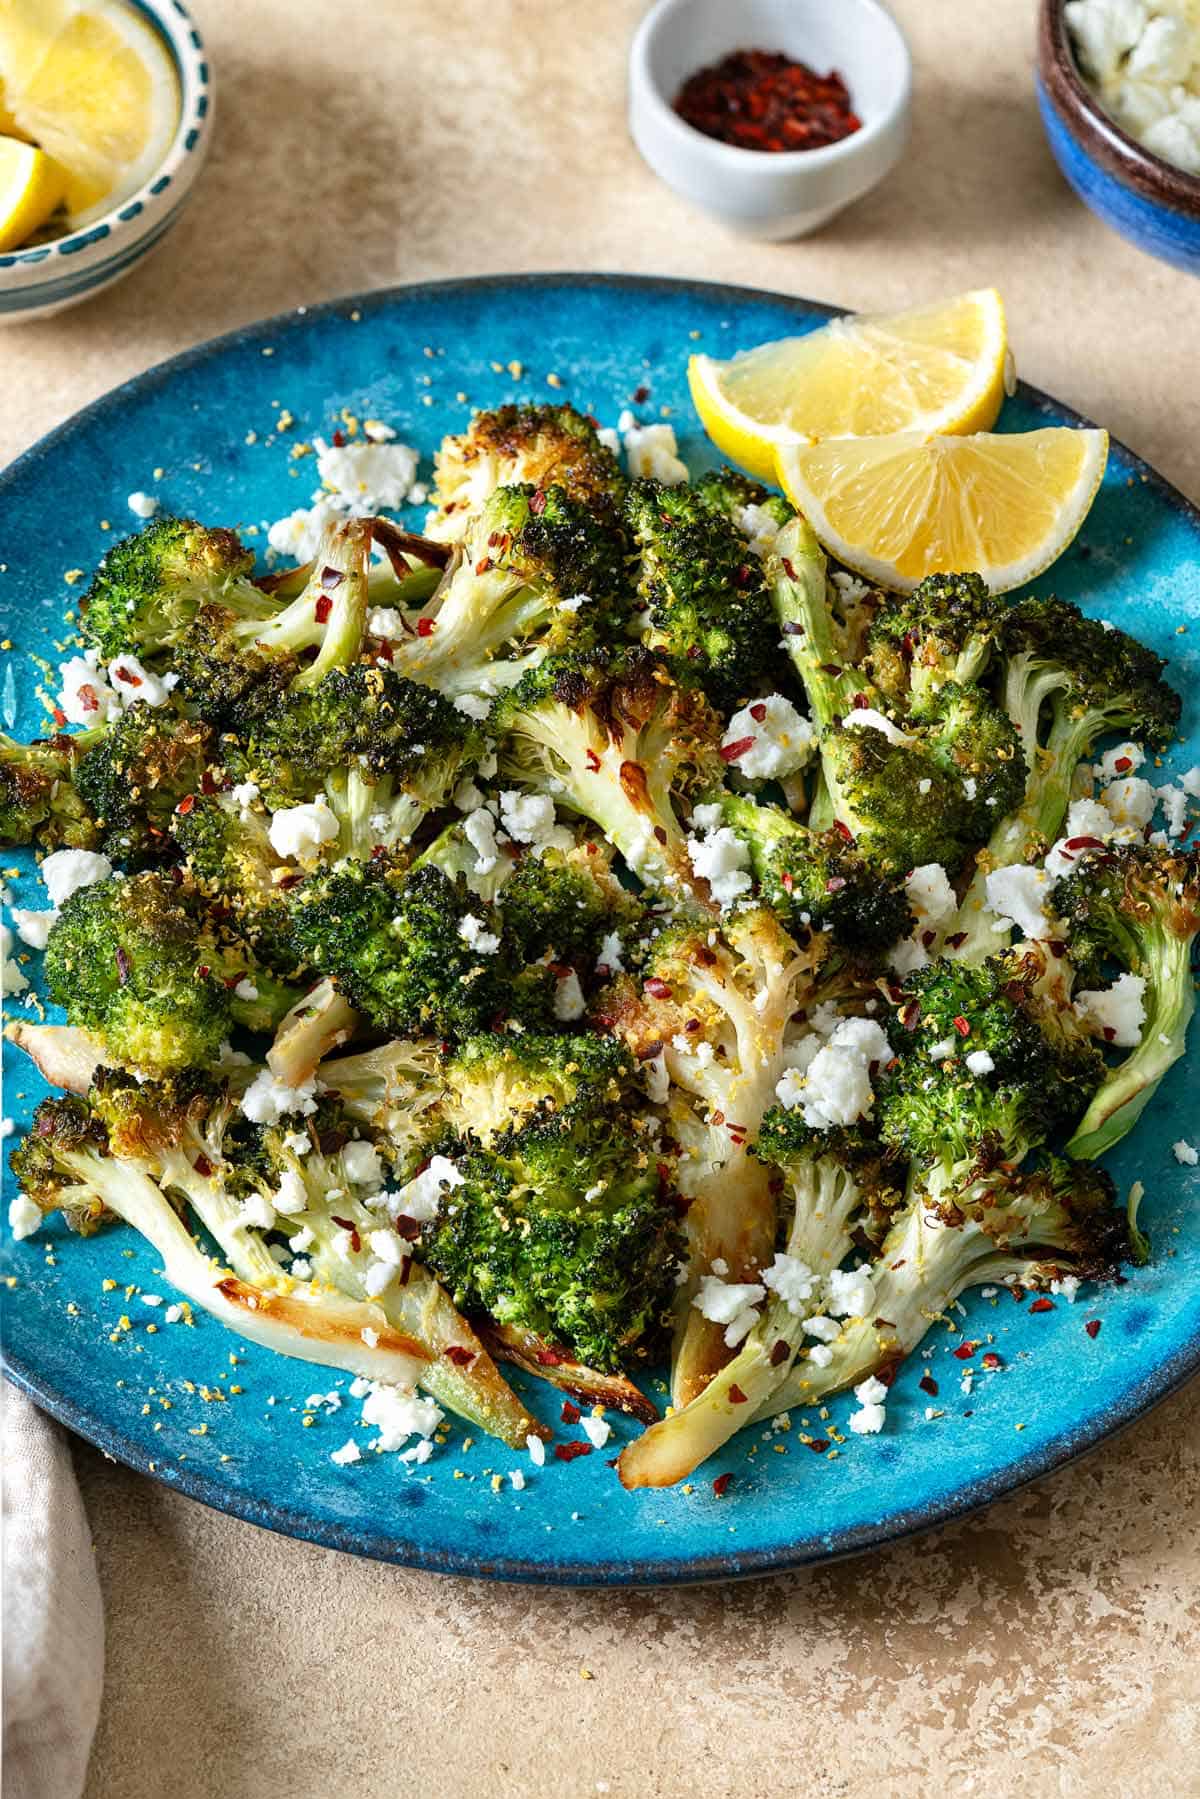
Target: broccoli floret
{"x": 928, "y": 793}
{"x": 139, "y": 966}
{"x": 836, "y": 1181}
{"x": 1043, "y": 1072}
{"x": 517, "y": 445}
{"x": 230, "y": 861}
{"x": 151, "y": 586}
{"x": 708, "y": 610}
{"x": 397, "y": 947}
{"x": 612, "y": 736}
{"x": 816, "y": 879}
{"x": 38, "y": 800}
{"x": 945, "y": 630}
{"x": 147, "y": 761}
{"x": 1140, "y": 906}
{"x": 728, "y": 491}
{"x": 234, "y": 664}
{"x": 52, "y": 1164}
{"x": 496, "y": 1084}
{"x": 539, "y": 572}
{"x": 561, "y": 1228}
{"x": 384, "y": 750}
{"x": 563, "y": 905}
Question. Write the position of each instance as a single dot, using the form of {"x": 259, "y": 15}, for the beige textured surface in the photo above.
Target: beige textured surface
{"x": 1047, "y": 1648}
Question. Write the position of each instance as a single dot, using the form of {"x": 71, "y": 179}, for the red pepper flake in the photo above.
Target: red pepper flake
{"x": 956, "y": 940}
{"x": 568, "y": 1452}
{"x": 203, "y": 1166}
{"x": 348, "y": 1224}
{"x": 721, "y": 1485}
{"x": 459, "y": 1355}
{"x": 1042, "y": 1305}
{"x": 408, "y": 1228}
{"x": 1084, "y": 843}
{"x": 87, "y": 695}
{"x": 843, "y": 831}
{"x": 425, "y": 627}
{"x": 962, "y": 1025}
{"x": 792, "y": 629}
{"x": 570, "y": 1412}
{"x": 641, "y": 395}
{"x": 338, "y": 439}
{"x": 787, "y": 881}
{"x": 1057, "y": 948}
{"x": 718, "y": 1118}
{"x": 656, "y": 988}
{"x": 928, "y": 1385}
{"x": 549, "y": 1358}
{"x": 861, "y": 703}
{"x": 758, "y": 712}
{"x": 593, "y": 761}
{"x": 1123, "y": 764}
{"x": 122, "y": 965}
{"x": 780, "y": 1352}
{"x": 910, "y": 1018}
{"x": 121, "y": 673}
{"x": 818, "y": 1445}
{"x": 186, "y": 804}
{"x": 537, "y": 502}
{"x": 1092, "y": 1327}
{"x": 764, "y": 100}
{"x": 736, "y": 1396}
{"x": 731, "y": 751}
{"x": 383, "y": 651}
{"x": 1110, "y": 1034}
{"x": 965, "y": 1351}
{"x": 322, "y": 608}
{"x": 835, "y": 883}
{"x": 991, "y": 1361}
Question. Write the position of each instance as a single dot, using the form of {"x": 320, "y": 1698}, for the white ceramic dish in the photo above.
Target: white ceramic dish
{"x": 48, "y": 277}
{"x": 758, "y": 193}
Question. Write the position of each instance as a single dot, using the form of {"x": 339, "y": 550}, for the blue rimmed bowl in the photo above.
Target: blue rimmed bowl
{"x": 48, "y": 277}
{"x": 1149, "y": 201}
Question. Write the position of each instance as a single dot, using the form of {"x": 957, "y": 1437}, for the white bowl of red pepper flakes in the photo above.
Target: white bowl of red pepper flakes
{"x": 772, "y": 115}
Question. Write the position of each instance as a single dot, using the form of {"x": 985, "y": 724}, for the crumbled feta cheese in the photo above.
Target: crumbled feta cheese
{"x": 1105, "y": 31}
{"x": 142, "y": 505}
{"x": 135, "y": 684}
{"x": 479, "y": 828}
{"x": 568, "y": 998}
{"x": 1185, "y": 1152}
{"x": 298, "y": 536}
{"x": 930, "y": 894}
{"x": 257, "y": 1213}
{"x": 298, "y": 832}
{"x": 980, "y": 1062}
{"x": 652, "y": 453}
{"x": 527, "y": 817}
{"x": 1017, "y": 895}
{"x": 33, "y": 928}
{"x": 475, "y": 934}
{"x": 1116, "y": 1013}
{"x": 722, "y": 860}
{"x": 866, "y": 718}
{"x": 942, "y": 1051}
{"x": 1130, "y": 802}
{"x": 820, "y": 1355}
{"x": 731, "y": 1303}
{"x": 835, "y": 1087}
{"x": 1190, "y": 781}
{"x": 1173, "y": 801}
{"x": 420, "y": 1197}
{"x": 517, "y": 1480}
{"x": 398, "y": 1415}
{"x": 267, "y": 1100}
{"x": 824, "y": 1329}
{"x": 291, "y": 1197}
{"x": 243, "y": 794}
{"x": 366, "y": 477}
{"x": 12, "y": 979}
{"x": 867, "y": 1421}
{"x": 385, "y": 622}
{"x": 245, "y": 989}
{"x": 537, "y": 1450}
{"x": 791, "y": 1280}
{"x": 1085, "y": 819}
{"x": 1144, "y": 59}
{"x": 656, "y": 1078}
{"x": 781, "y": 741}
{"x": 1066, "y": 1287}
{"x": 24, "y": 1217}
{"x": 303, "y": 1239}
{"x": 362, "y": 1165}
{"x": 609, "y": 958}
{"x": 596, "y": 1430}
{"x": 1177, "y": 140}
{"x": 851, "y": 1293}
{"x": 84, "y": 696}
{"x": 64, "y": 872}
{"x": 758, "y": 525}
{"x": 1126, "y": 759}
{"x": 473, "y": 705}
{"x": 348, "y": 1453}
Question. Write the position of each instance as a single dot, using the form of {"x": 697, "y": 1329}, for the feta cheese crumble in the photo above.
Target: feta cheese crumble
{"x": 475, "y": 934}
{"x": 791, "y": 1280}
{"x": 870, "y": 1394}
{"x": 1143, "y": 59}
{"x": 142, "y": 505}
{"x": 1116, "y": 1013}
{"x": 1017, "y": 896}
{"x": 832, "y": 1085}
{"x": 23, "y": 1217}
{"x": 731, "y": 1303}
{"x": 721, "y": 859}
{"x": 366, "y": 476}
{"x": 652, "y": 453}
{"x": 64, "y": 872}
{"x": 781, "y": 741}
{"x": 298, "y": 832}
{"x": 1185, "y": 1152}
{"x": 267, "y": 1099}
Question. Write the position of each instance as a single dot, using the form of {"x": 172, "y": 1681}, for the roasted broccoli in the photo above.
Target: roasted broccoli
{"x": 136, "y": 962}
{"x": 945, "y": 630}
{"x": 749, "y": 505}
{"x": 706, "y": 605}
{"x": 147, "y": 761}
{"x": 38, "y": 801}
{"x": 513, "y": 446}
{"x": 562, "y": 906}
{"x": 229, "y": 859}
{"x": 1139, "y": 906}
{"x": 151, "y": 587}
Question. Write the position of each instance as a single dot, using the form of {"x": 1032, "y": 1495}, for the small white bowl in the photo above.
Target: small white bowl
{"x": 764, "y": 193}
{"x": 48, "y": 277}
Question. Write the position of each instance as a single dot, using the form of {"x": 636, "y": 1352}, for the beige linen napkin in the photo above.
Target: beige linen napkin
{"x": 53, "y": 1617}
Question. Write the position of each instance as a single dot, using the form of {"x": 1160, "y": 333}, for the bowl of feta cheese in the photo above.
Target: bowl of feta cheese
{"x": 1118, "y": 85}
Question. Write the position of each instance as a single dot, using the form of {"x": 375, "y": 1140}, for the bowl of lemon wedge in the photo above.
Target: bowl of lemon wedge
{"x": 105, "y": 119}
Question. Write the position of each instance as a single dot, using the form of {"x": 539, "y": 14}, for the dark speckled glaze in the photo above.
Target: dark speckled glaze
{"x": 1149, "y": 201}
{"x": 1059, "y": 1391}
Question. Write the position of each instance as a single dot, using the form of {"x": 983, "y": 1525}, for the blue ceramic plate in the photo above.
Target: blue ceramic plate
{"x": 404, "y": 356}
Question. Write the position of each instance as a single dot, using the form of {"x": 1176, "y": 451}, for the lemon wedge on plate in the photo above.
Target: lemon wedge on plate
{"x": 939, "y": 368}
{"x": 31, "y": 186}
{"x": 901, "y": 507}
{"x": 93, "y": 85}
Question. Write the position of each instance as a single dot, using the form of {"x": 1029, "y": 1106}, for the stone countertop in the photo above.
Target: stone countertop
{"x": 1049, "y": 1646}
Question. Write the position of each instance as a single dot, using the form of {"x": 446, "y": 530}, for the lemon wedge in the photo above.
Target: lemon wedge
{"x": 934, "y": 369}
{"x": 31, "y": 186}
{"x": 901, "y": 507}
{"x": 94, "y": 86}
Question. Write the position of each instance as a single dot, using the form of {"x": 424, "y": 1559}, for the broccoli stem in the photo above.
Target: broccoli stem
{"x": 731, "y": 1218}
{"x": 796, "y": 573}
{"x": 329, "y": 615}
{"x": 1128, "y": 1088}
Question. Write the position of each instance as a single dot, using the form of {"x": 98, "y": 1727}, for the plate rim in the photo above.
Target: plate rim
{"x": 1148, "y": 1393}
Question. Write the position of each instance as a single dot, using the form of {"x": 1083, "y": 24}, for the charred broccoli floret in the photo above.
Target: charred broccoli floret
{"x": 816, "y": 879}
{"x": 707, "y": 607}
{"x": 497, "y": 1084}
{"x": 151, "y": 586}
{"x": 945, "y": 630}
{"x": 563, "y": 905}
{"x": 741, "y": 500}
{"x": 132, "y": 780}
{"x": 230, "y": 860}
{"x": 38, "y": 800}
{"x": 613, "y": 737}
{"x": 1138, "y": 905}
{"x": 137, "y": 964}
{"x": 516, "y": 445}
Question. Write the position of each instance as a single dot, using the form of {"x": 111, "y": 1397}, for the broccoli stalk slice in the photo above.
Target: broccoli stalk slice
{"x": 330, "y": 614}
{"x": 1128, "y": 1088}
{"x": 316, "y": 1024}
{"x": 472, "y": 617}
{"x": 827, "y": 1198}
{"x": 551, "y": 1362}
{"x": 328, "y": 1332}
{"x": 796, "y": 571}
